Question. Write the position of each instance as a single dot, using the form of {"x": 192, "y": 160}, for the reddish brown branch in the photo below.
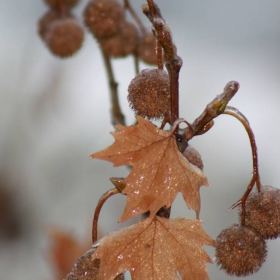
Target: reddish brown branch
{"x": 117, "y": 116}
{"x": 128, "y": 6}
{"x": 159, "y": 55}
{"x": 100, "y": 203}
{"x": 216, "y": 107}
{"x": 255, "y": 177}
{"x": 173, "y": 62}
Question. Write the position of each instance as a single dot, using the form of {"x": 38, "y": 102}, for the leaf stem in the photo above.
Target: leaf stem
{"x": 255, "y": 177}
{"x": 100, "y": 203}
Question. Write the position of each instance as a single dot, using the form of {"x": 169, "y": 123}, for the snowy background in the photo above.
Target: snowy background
{"x": 55, "y": 113}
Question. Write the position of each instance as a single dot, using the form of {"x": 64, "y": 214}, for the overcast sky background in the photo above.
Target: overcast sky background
{"x": 55, "y": 113}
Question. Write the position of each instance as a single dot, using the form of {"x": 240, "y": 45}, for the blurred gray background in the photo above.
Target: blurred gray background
{"x": 55, "y": 113}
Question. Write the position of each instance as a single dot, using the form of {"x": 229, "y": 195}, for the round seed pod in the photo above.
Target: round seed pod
{"x": 46, "y": 20}
{"x": 193, "y": 156}
{"x": 147, "y": 49}
{"x": 87, "y": 269}
{"x": 240, "y": 250}
{"x": 64, "y": 37}
{"x": 263, "y": 211}
{"x": 115, "y": 46}
{"x": 148, "y": 94}
{"x": 103, "y": 17}
{"x": 55, "y": 4}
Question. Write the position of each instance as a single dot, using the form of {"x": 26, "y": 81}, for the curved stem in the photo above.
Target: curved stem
{"x": 117, "y": 116}
{"x": 255, "y": 177}
{"x": 128, "y": 6}
{"x": 100, "y": 203}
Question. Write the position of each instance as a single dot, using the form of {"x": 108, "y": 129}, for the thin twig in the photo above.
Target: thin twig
{"x": 159, "y": 55}
{"x": 136, "y": 63}
{"x": 128, "y": 6}
{"x": 117, "y": 116}
{"x": 216, "y": 107}
{"x": 173, "y": 62}
{"x": 61, "y": 8}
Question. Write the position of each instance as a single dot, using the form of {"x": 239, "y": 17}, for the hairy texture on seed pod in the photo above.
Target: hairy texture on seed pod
{"x": 147, "y": 49}
{"x": 55, "y": 4}
{"x": 87, "y": 268}
{"x": 64, "y": 37}
{"x": 193, "y": 156}
{"x": 263, "y": 211}
{"x": 240, "y": 250}
{"x": 148, "y": 94}
{"x": 123, "y": 44}
{"x": 103, "y": 17}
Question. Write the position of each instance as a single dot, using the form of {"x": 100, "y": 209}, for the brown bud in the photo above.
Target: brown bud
{"x": 193, "y": 156}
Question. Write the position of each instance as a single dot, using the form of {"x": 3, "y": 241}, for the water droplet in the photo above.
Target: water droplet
{"x": 95, "y": 244}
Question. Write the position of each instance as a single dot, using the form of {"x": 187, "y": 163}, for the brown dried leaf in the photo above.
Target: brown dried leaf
{"x": 64, "y": 250}
{"x": 159, "y": 171}
{"x": 156, "y": 248}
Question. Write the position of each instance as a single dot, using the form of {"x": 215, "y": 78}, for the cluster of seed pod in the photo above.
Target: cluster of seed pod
{"x": 105, "y": 19}
{"x": 117, "y": 37}
{"x": 59, "y": 29}
{"x": 241, "y": 249}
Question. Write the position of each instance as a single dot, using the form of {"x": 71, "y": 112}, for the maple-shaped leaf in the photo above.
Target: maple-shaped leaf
{"x": 156, "y": 248}
{"x": 159, "y": 171}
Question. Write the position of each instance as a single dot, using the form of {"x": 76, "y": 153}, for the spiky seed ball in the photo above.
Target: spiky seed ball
{"x": 66, "y": 3}
{"x": 103, "y": 17}
{"x": 263, "y": 211}
{"x": 122, "y": 44}
{"x": 147, "y": 49}
{"x": 240, "y": 250}
{"x": 148, "y": 94}
{"x": 193, "y": 156}
{"x": 87, "y": 269}
{"x": 64, "y": 37}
